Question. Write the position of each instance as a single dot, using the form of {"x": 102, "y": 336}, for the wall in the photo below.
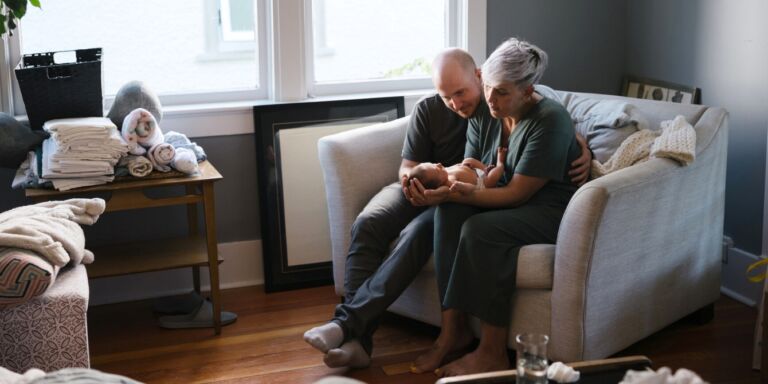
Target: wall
{"x": 720, "y": 46}
{"x": 585, "y": 39}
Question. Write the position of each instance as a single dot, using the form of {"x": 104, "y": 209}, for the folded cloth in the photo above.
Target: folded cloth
{"x": 185, "y": 161}
{"x": 662, "y": 376}
{"x": 51, "y": 229}
{"x": 161, "y": 155}
{"x": 180, "y": 140}
{"x": 137, "y": 166}
{"x": 140, "y": 131}
{"x": 562, "y": 373}
{"x": 70, "y": 126}
{"x": 677, "y": 141}
{"x": 78, "y": 182}
{"x": 70, "y": 168}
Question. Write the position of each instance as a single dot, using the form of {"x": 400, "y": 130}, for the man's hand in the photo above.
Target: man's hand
{"x": 420, "y": 196}
{"x": 404, "y": 183}
{"x": 579, "y": 172}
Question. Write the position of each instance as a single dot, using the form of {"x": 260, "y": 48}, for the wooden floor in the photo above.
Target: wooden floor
{"x": 265, "y": 344}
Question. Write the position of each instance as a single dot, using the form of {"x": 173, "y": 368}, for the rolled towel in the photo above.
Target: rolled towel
{"x": 185, "y": 161}
{"x": 138, "y": 166}
{"x": 180, "y": 140}
{"x": 140, "y": 131}
{"x": 161, "y": 155}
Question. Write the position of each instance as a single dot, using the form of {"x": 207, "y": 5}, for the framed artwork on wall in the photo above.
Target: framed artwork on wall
{"x": 643, "y": 88}
{"x": 293, "y": 211}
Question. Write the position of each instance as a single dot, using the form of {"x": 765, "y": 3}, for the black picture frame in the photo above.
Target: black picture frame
{"x": 652, "y": 89}
{"x": 269, "y": 121}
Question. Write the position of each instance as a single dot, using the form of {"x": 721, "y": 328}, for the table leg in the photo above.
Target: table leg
{"x": 193, "y": 231}
{"x": 213, "y": 253}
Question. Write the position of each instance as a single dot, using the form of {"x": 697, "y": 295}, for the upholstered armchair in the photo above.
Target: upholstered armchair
{"x": 637, "y": 249}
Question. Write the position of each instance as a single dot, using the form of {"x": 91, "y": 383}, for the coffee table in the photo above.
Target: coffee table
{"x": 592, "y": 372}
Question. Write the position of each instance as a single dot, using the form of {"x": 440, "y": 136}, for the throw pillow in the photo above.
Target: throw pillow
{"x": 604, "y": 123}
{"x": 130, "y": 96}
{"x": 16, "y": 140}
{"x": 23, "y": 275}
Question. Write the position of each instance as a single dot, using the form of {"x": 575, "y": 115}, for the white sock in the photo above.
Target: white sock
{"x": 325, "y": 337}
{"x": 351, "y": 354}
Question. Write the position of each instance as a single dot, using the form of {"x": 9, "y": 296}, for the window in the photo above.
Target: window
{"x": 162, "y": 43}
{"x": 208, "y": 51}
{"x": 397, "y": 39}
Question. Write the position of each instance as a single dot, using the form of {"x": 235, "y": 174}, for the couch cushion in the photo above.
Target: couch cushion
{"x": 604, "y": 123}
{"x": 535, "y": 266}
{"x": 23, "y": 275}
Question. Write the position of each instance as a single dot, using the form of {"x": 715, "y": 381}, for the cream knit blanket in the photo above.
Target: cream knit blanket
{"x": 677, "y": 141}
{"x": 52, "y": 229}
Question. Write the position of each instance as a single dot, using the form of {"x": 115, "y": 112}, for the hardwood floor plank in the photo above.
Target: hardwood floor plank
{"x": 265, "y": 345}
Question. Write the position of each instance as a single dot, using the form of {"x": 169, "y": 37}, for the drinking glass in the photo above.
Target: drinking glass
{"x": 532, "y": 358}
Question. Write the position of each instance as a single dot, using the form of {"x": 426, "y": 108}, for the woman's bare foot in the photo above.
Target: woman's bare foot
{"x": 444, "y": 345}
{"x": 480, "y": 360}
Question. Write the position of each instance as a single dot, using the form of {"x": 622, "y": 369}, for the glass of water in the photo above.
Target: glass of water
{"x": 532, "y": 358}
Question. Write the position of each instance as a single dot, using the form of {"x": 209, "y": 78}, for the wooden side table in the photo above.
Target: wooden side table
{"x": 146, "y": 256}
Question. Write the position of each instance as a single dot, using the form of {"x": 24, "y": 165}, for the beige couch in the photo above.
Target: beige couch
{"x": 637, "y": 249}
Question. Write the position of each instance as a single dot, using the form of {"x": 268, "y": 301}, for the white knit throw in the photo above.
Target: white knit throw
{"x": 677, "y": 141}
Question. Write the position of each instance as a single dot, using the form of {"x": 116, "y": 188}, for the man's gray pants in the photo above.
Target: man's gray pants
{"x": 372, "y": 280}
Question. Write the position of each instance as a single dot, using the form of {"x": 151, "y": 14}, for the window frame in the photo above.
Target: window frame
{"x": 284, "y": 34}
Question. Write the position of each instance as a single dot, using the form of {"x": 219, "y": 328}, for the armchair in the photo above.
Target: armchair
{"x": 637, "y": 249}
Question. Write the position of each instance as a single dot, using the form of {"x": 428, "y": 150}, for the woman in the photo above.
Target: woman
{"x": 478, "y": 236}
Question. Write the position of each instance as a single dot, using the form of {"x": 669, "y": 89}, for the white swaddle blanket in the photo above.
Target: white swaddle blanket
{"x": 161, "y": 155}
{"x": 140, "y": 131}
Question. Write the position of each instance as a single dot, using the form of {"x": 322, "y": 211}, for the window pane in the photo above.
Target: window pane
{"x": 376, "y": 39}
{"x": 172, "y": 45}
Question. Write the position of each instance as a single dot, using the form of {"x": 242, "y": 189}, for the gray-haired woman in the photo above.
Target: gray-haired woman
{"x": 478, "y": 236}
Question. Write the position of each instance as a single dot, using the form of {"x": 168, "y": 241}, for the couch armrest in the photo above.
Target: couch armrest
{"x": 640, "y": 248}
{"x": 356, "y": 164}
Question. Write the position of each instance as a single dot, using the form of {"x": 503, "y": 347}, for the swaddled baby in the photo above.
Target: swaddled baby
{"x": 469, "y": 175}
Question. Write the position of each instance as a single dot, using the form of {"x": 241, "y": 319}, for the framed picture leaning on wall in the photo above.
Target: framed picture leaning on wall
{"x": 294, "y": 216}
{"x": 651, "y": 89}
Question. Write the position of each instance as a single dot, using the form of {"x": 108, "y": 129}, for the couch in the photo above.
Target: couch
{"x": 637, "y": 249}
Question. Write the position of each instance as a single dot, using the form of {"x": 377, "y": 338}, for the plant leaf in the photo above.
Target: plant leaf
{"x": 18, "y": 7}
{"x": 2, "y": 24}
{"x": 35, "y": 3}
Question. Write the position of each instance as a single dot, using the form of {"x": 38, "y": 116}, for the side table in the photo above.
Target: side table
{"x": 146, "y": 256}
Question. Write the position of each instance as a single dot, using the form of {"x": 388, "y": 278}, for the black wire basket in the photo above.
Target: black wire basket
{"x": 58, "y": 90}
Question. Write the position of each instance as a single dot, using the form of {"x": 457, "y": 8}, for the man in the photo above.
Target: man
{"x": 436, "y": 133}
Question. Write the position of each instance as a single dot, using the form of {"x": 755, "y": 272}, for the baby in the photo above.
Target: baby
{"x": 464, "y": 178}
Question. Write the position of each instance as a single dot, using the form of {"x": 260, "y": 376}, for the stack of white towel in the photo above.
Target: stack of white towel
{"x": 81, "y": 152}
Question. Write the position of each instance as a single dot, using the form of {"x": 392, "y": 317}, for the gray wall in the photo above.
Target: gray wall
{"x": 585, "y": 39}
{"x": 720, "y": 46}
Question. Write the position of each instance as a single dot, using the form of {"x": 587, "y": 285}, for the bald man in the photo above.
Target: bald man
{"x": 376, "y": 276}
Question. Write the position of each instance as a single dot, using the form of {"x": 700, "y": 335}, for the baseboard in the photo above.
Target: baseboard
{"x": 734, "y": 282}
{"x": 242, "y": 267}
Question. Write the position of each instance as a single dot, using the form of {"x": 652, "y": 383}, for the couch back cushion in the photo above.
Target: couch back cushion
{"x": 23, "y": 275}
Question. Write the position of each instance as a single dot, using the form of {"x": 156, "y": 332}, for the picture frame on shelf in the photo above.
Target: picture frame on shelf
{"x": 296, "y": 246}
{"x": 652, "y": 89}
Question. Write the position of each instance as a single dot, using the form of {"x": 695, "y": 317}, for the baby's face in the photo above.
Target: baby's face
{"x": 436, "y": 171}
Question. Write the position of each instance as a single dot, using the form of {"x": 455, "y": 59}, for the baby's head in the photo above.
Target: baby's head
{"x": 430, "y": 175}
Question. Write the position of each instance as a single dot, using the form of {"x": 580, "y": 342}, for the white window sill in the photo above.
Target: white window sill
{"x": 236, "y": 117}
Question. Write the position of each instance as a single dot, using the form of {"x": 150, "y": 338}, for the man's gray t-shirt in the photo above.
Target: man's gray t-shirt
{"x": 435, "y": 133}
